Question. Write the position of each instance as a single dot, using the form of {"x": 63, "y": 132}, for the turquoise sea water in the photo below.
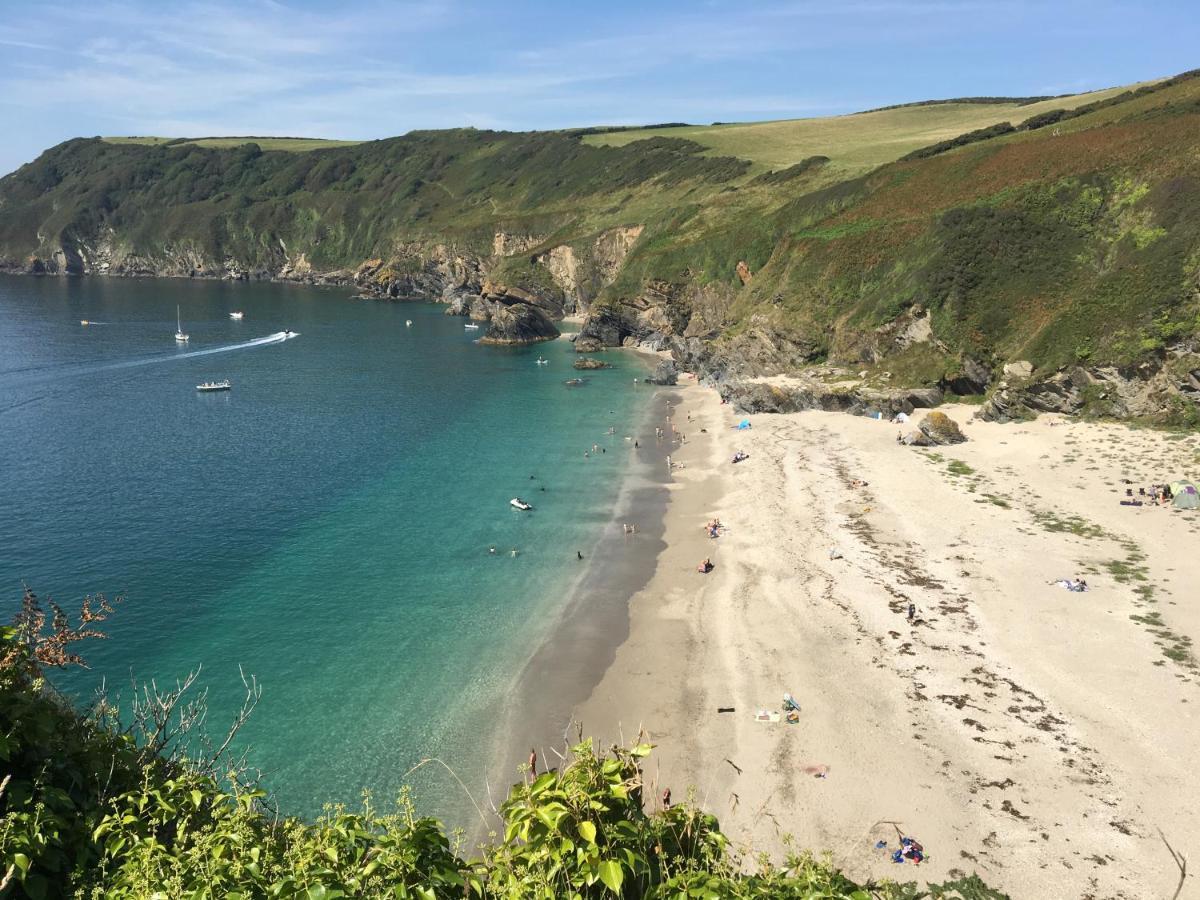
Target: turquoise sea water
{"x": 325, "y": 525}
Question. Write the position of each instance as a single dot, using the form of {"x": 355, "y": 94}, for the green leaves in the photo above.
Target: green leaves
{"x": 587, "y": 831}
{"x": 612, "y": 875}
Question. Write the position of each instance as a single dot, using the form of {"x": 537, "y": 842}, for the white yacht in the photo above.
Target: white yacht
{"x": 209, "y": 386}
{"x": 237, "y": 314}
{"x": 180, "y": 336}
{"x": 471, "y": 326}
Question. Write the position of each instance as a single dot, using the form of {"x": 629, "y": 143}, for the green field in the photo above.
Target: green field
{"x": 266, "y": 143}
{"x": 854, "y": 143}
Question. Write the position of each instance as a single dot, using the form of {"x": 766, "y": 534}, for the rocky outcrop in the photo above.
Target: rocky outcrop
{"x": 590, "y": 362}
{"x": 585, "y": 344}
{"x": 1163, "y": 391}
{"x": 973, "y": 377}
{"x": 939, "y": 429}
{"x": 519, "y": 323}
{"x": 605, "y": 327}
{"x": 665, "y": 373}
{"x": 583, "y": 269}
{"x": 798, "y": 394}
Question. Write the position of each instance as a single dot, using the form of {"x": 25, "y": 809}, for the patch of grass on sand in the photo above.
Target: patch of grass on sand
{"x": 958, "y": 467}
{"x": 1052, "y": 521}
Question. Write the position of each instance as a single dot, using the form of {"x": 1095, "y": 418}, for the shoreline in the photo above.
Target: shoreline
{"x": 580, "y": 644}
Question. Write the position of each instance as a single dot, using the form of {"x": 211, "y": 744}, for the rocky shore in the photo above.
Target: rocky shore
{"x": 524, "y": 287}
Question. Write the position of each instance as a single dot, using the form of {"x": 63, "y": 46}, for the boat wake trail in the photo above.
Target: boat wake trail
{"x": 71, "y": 371}
{"x": 277, "y": 338}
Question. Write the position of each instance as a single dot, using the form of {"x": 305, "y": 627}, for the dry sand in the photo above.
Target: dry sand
{"x": 1036, "y": 736}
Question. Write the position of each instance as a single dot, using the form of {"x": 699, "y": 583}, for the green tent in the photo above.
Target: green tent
{"x": 1186, "y": 495}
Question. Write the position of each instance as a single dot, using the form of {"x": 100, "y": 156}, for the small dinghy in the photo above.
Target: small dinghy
{"x": 408, "y": 323}
{"x": 573, "y": 382}
{"x": 543, "y": 362}
{"x": 518, "y": 503}
{"x": 210, "y": 386}
{"x": 471, "y": 326}
{"x": 238, "y": 314}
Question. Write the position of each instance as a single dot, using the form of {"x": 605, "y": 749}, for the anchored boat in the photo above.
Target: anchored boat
{"x": 238, "y": 314}
{"x": 180, "y": 336}
{"x": 210, "y": 386}
{"x": 518, "y": 503}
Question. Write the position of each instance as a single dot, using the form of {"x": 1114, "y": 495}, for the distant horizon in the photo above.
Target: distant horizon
{"x": 374, "y": 69}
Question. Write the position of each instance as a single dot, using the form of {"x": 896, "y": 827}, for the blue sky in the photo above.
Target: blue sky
{"x": 368, "y": 68}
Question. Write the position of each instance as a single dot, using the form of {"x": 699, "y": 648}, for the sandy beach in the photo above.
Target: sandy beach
{"x": 1040, "y": 737}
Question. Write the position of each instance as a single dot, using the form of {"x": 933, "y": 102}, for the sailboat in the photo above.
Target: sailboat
{"x": 180, "y": 337}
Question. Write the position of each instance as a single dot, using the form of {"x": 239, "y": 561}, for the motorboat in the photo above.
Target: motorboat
{"x": 84, "y": 322}
{"x": 573, "y": 382}
{"x": 237, "y": 314}
{"x": 408, "y": 323}
{"x": 210, "y": 386}
{"x": 180, "y": 336}
{"x": 289, "y": 333}
{"x": 543, "y": 362}
{"x": 518, "y": 503}
{"x": 471, "y": 326}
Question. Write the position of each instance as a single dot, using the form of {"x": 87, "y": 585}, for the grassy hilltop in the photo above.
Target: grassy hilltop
{"x": 1062, "y": 231}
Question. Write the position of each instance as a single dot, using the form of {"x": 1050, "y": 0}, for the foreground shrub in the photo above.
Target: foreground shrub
{"x": 90, "y": 810}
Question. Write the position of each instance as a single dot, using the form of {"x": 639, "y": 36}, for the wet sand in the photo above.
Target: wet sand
{"x": 594, "y": 620}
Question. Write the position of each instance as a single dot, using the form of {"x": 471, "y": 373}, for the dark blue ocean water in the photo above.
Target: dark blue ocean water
{"x": 325, "y": 525}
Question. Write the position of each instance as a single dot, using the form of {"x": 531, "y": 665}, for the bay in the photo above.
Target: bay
{"x": 324, "y": 526}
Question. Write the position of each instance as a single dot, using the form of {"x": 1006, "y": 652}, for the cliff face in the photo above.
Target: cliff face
{"x": 1075, "y": 249}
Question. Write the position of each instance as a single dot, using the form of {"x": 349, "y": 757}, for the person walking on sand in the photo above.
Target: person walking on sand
{"x": 912, "y": 612}
{"x": 579, "y": 553}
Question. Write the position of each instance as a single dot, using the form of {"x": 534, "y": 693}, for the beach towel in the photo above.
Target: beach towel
{"x": 765, "y": 715}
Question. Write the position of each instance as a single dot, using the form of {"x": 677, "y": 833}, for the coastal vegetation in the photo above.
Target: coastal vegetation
{"x": 104, "y": 804}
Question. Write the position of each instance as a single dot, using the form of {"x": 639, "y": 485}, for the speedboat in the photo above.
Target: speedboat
{"x": 471, "y": 326}
{"x": 237, "y": 315}
{"x": 209, "y": 386}
{"x": 180, "y": 336}
{"x": 84, "y": 322}
{"x": 518, "y": 503}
